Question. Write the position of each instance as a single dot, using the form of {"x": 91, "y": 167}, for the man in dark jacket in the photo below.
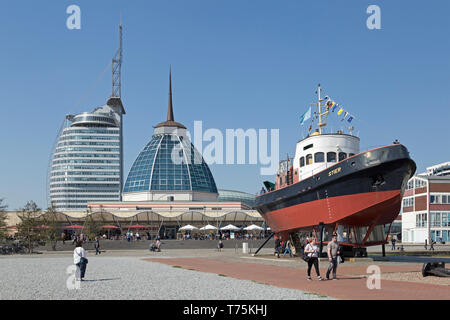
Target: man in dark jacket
{"x": 97, "y": 246}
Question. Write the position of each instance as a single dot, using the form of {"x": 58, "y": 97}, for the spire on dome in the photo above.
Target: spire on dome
{"x": 170, "y": 118}
{"x": 170, "y": 111}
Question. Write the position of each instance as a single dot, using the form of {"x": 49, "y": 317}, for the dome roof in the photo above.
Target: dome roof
{"x": 170, "y": 162}
{"x": 155, "y": 168}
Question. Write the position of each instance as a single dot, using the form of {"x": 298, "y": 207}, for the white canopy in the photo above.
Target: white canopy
{"x": 208, "y": 227}
{"x": 187, "y": 227}
{"x": 230, "y": 227}
{"x": 254, "y": 227}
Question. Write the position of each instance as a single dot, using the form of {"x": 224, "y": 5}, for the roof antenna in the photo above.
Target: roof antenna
{"x": 117, "y": 66}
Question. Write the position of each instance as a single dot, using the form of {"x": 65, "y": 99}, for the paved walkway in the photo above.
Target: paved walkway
{"x": 352, "y": 283}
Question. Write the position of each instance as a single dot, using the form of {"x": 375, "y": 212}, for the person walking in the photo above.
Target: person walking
{"x": 220, "y": 245}
{"x": 80, "y": 260}
{"x": 97, "y": 246}
{"x": 333, "y": 252}
{"x": 312, "y": 250}
{"x": 426, "y": 244}
{"x": 277, "y": 246}
{"x": 288, "y": 249}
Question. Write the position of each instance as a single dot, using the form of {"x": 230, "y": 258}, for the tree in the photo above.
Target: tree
{"x": 50, "y": 220}
{"x": 92, "y": 227}
{"x": 3, "y": 226}
{"x": 28, "y": 230}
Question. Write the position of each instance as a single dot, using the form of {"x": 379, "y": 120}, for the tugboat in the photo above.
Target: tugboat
{"x": 330, "y": 187}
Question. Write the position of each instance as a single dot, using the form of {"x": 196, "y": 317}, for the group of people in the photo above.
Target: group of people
{"x": 156, "y": 246}
{"x": 222, "y": 236}
{"x": 311, "y": 255}
{"x": 133, "y": 236}
{"x": 283, "y": 247}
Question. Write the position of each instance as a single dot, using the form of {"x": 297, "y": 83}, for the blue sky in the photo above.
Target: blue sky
{"x": 236, "y": 64}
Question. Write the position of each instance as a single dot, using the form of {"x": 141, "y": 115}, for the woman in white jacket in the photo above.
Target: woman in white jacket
{"x": 312, "y": 250}
{"x": 80, "y": 260}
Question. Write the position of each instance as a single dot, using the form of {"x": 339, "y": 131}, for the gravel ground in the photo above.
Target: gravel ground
{"x": 114, "y": 277}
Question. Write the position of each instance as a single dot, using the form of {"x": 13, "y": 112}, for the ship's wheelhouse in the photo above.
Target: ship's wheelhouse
{"x": 320, "y": 151}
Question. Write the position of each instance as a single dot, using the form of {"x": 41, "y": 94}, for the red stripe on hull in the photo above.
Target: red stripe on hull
{"x": 357, "y": 209}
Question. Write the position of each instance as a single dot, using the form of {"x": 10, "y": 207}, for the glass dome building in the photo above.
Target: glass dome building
{"x": 169, "y": 168}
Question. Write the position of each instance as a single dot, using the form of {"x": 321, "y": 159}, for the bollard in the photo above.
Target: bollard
{"x": 245, "y": 247}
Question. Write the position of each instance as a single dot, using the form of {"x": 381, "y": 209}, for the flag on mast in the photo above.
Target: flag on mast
{"x": 305, "y": 116}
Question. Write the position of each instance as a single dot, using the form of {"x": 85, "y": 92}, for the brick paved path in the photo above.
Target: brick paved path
{"x": 352, "y": 283}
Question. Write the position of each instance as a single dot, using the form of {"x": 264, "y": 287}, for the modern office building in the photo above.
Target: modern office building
{"x": 442, "y": 169}
{"x": 426, "y": 207}
{"x": 87, "y": 162}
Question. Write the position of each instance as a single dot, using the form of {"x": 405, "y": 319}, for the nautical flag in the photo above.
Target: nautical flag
{"x": 335, "y": 106}
{"x": 340, "y": 111}
{"x": 305, "y": 116}
{"x": 330, "y": 104}
{"x": 310, "y": 127}
{"x": 345, "y": 115}
{"x": 350, "y": 119}
{"x": 326, "y": 98}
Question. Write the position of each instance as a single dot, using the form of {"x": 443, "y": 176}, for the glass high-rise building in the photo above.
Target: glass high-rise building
{"x": 87, "y": 163}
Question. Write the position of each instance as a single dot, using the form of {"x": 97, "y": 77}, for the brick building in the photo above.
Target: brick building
{"x": 426, "y": 206}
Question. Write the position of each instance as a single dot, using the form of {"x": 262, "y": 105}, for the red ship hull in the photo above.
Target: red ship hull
{"x": 354, "y": 210}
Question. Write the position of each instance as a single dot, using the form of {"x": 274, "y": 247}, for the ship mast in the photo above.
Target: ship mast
{"x": 322, "y": 116}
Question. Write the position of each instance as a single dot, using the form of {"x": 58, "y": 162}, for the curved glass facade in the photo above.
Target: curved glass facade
{"x": 237, "y": 196}
{"x": 87, "y": 160}
{"x": 170, "y": 163}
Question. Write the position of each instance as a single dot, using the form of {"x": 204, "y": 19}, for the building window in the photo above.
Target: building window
{"x": 319, "y": 157}
{"x": 408, "y": 202}
{"x": 331, "y": 157}
{"x": 302, "y": 161}
{"x": 421, "y": 220}
{"x": 309, "y": 159}
{"x": 435, "y": 219}
{"x": 445, "y": 219}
